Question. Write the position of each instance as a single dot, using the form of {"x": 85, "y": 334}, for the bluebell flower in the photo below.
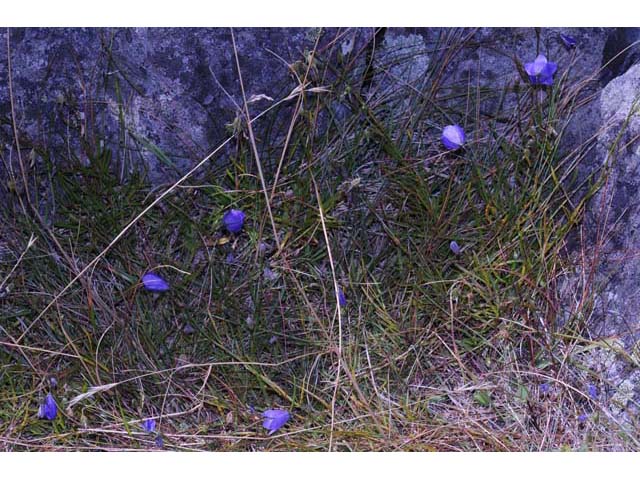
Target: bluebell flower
{"x": 149, "y": 425}
{"x": 568, "y": 41}
{"x": 453, "y": 137}
{"x": 592, "y": 390}
{"x": 269, "y": 274}
{"x": 188, "y": 329}
{"x": 159, "y": 441}
{"x": 233, "y": 220}
{"x": 583, "y": 417}
{"x": 455, "y": 248}
{"x": 541, "y": 71}
{"x": 544, "y": 388}
{"x": 342, "y": 300}
{"x": 48, "y": 410}
{"x": 275, "y": 419}
{"x": 154, "y": 283}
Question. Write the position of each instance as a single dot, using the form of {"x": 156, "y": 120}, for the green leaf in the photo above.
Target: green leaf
{"x": 153, "y": 148}
{"x": 523, "y": 393}
{"x": 482, "y": 397}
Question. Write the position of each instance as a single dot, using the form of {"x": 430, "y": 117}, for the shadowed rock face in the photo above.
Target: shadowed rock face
{"x": 621, "y": 51}
{"x": 174, "y": 88}
{"x": 177, "y": 88}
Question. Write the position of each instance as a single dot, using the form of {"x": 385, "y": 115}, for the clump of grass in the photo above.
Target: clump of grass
{"x": 433, "y": 351}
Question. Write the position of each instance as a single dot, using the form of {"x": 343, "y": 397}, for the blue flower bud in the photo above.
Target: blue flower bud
{"x": 48, "y": 410}
{"x": 154, "y": 283}
{"x": 453, "y": 137}
{"x": 233, "y": 220}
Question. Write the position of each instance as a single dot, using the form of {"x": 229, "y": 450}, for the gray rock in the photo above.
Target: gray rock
{"x": 174, "y": 89}
{"x": 614, "y": 212}
{"x": 621, "y": 51}
{"x": 610, "y": 266}
{"x": 163, "y": 97}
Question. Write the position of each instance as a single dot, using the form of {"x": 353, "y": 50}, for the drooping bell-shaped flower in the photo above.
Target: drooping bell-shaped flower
{"x": 269, "y": 274}
{"x": 275, "y": 419}
{"x": 149, "y": 425}
{"x": 568, "y": 41}
{"x": 48, "y": 409}
{"x": 154, "y": 283}
{"x": 454, "y": 247}
{"x": 233, "y": 220}
{"x": 342, "y": 300}
{"x": 541, "y": 71}
{"x": 453, "y": 137}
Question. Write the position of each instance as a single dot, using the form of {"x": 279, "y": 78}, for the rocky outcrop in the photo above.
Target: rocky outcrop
{"x": 608, "y": 261}
{"x": 144, "y": 90}
{"x": 162, "y": 98}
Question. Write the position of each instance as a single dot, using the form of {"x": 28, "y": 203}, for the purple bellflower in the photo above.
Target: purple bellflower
{"x": 275, "y": 419}
{"x": 544, "y": 388}
{"x": 541, "y": 71}
{"x": 154, "y": 283}
{"x": 149, "y": 425}
{"x": 342, "y": 300}
{"x": 583, "y": 417}
{"x": 48, "y": 410}
{"x": 269, "y": 274}
{"x": 568, "y": 41}
{"x": 455, "y": 248}
{"x": 233, "y": 220}
{"x": 592, "y": 390}
{"x": 453, "y": 137}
